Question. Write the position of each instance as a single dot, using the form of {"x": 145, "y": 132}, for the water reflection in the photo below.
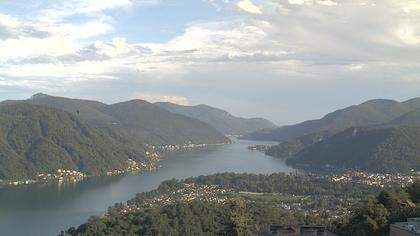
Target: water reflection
{"x": 46, "y": 209}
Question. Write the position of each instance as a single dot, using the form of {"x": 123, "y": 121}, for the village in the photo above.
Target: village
{"x": 175, "y": 147}
{"x": 376, "y": 179}
{"x": 73, "y": 176}
{"x": 188, "y": 192}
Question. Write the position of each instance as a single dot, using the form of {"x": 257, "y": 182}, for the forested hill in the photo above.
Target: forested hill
{"x": 143, "y": 121}
{"x": 36, "y": 139}
{"x": 220, "y": 119}
{"x": 373, "y": 112}
{"x": 379, "y": 150}
{"x": 227, "y": 204}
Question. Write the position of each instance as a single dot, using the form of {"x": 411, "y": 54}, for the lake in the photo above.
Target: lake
{"x": 46, "y": 209}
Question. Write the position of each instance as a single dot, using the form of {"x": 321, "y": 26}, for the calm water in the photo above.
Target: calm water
{"x": 48, "y": 208}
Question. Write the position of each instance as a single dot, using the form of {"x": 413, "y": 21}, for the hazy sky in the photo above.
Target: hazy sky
{"x": 286, "y": 60}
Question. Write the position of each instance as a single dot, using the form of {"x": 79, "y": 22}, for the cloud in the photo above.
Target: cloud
{"x": 327, "y": 3}
{"x": 249, "y": 6}
{"x": 408, "y": 35}
{"x": 312, "y": 2}
{"x": 152, "y": 97}
{"x": 356, "y": 67}
{"x": 62, "y": 9}
{"x": 295, "y": 42}
{"x": 300, "y": 2}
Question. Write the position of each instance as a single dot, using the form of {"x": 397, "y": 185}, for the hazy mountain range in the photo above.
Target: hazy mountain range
{"x": 373, "y": 112}
{"x": 220, "y": 119}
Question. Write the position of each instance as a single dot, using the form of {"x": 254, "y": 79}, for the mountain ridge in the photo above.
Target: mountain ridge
{"x": 219, "y": 118}
{"x": 155, "y": 125}
{"x": 369, "y": 113}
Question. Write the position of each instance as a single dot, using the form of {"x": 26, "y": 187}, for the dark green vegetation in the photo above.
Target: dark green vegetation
{"x": 378, "y": 135}
{"x": 374, "y": 216}
{"x": 283, "y": 183}
{"x": 253, "y": 203}
{"x": 141, "y": 120}
{"x": 291, "y": 147}
{"x": 190, "y": 218}
{"x": 379, "y": 150}
{"x": 45, "y": 133}
{"x": 36, "y": 139}
{"x": 220, "y": 119}
{"x": 373, "y": 112}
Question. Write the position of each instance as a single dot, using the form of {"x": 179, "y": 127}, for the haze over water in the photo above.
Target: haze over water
{"x": 47, "y": 209}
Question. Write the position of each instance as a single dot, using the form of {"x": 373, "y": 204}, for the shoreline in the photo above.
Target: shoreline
{"x": 134, "y": 167}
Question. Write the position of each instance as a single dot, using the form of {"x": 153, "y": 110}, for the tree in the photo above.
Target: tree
{"x": 414, "y": 191}
{"x": 240, "y": 223}
{"x": 369, "y": 219}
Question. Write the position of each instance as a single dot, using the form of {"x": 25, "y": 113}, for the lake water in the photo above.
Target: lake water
{"x": 46, "y": 209}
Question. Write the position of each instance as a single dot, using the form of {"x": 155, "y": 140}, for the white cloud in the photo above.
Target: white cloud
{"x": 8, "y": 21}
{"x": 408, "y": 35}
{"x": 409, "y": 6}
{"x": 305, "y": 42}
{"x": 327, "y": 3}
{"x": 60, "y": 10}
{"x": 249, "y": 6}
{"x": 25, "y": 38}
{"x": 153, "y": 97}
{"x": 25, "y": 47}
{"x": 356, "y": 67}
{"x": 312, "y": 2}
{"x": 300, "y": 2}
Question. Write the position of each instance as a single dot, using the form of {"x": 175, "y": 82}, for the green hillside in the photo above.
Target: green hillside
{"x": 220, "y": 119}
{"x": 143, "y": 121}
{"x": 383, "y": 150}
{"x": 227, "y": 204}
{"x": 153, "y": 124}
{"x": 36, "y": 139}
{"x": 373, "y": 112}
{"x": 290, "y": 147}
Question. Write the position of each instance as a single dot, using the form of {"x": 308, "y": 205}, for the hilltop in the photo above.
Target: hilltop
{"x": 220, "y": 119}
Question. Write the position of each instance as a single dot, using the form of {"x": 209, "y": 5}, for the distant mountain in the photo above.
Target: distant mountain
{"x": 143, "y": 121}
{"x": 36, "y": 139}
{"x": 154, "y": 124}
{"x": 373, "y": 112}
{"x": 385, "y": 150}
{"x": 220, "y": 119}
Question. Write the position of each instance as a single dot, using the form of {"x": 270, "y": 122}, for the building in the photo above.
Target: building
{"x": 409, "y": 228}
{"x": 293, "y": 230}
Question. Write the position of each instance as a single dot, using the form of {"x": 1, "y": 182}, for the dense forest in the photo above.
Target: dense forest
{"x": 377, "y": 135}
{"x": 373, "y": 216}
{"x": 43, "y": 134}
{"x": 370, "y": 113}
{"x": 35, "y": 139}
{"x": 379, "y": 150}
{"x": 293, "y": 146}
{"x": 242, "y": 212}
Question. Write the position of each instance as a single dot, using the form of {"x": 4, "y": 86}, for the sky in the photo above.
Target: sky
{"x": 285, "y": 60}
